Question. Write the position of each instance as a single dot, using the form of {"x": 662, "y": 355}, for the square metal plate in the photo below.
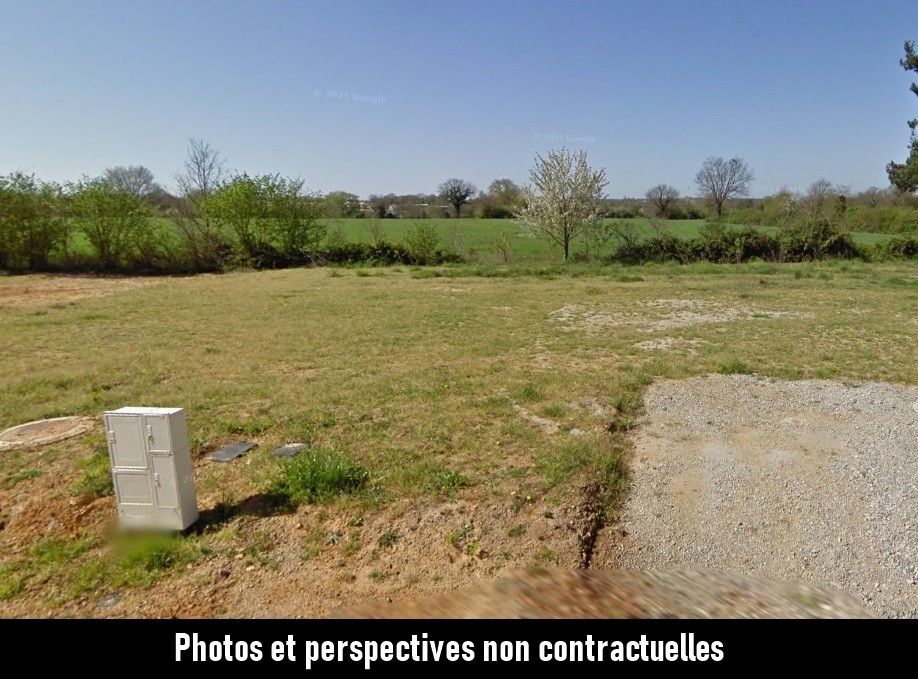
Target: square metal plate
{"x": 232, "y": 451}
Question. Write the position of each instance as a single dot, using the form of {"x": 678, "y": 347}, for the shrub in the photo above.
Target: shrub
{"x": 275, "y": 222}
{"x": 881, "y": 219}
{"x": 601, "y": 234}
{"x": 895, "y": 248}
{"x": 684, "y": 211}
{"x": 32, "y": 226}
{"x": 695, "y": 212}
{"x": 750, "y": 216}
{"x": 380, "y": 253}
{"x": 622, "y": 212}
{"x": 720, "y": 244}
{"x": 357, "y": 253}
{"x": 487, "y": 210}
{"x": 422, "y": 243}
{"x": 815, "y": 239}
{"x": 664, "y": 247}
{"x": 113, "y": 220}
{"x": 500, "y": 246}
{"x": 153, "y": 251}
{"x": 203, "y": 247}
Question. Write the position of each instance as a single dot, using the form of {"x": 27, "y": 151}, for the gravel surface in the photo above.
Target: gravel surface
{"x": 809, "y": 481}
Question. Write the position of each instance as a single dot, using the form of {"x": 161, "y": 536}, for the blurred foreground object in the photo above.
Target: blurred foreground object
{"x": 555, "y": 593}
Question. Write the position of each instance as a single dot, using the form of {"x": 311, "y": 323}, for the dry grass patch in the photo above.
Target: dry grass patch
{"x": 413, "y": 380}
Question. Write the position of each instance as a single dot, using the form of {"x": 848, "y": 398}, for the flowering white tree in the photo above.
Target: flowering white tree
{"x": 565, "y": 199}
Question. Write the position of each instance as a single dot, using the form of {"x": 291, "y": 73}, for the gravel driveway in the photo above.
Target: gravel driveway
{"x": 810, "y": 481}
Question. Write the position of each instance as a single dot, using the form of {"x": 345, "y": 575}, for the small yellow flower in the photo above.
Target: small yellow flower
{"x": 513, "y": 493}
{"x": 529, "y": 498}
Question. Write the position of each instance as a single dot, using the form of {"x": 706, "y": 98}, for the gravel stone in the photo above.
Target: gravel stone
{"x": 809, "y": 481}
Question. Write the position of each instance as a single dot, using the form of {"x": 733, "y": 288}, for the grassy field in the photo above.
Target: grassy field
{"x": 478, "y": 404}
{"x": 478, "y": 234}
{"x": 473, "y": 238}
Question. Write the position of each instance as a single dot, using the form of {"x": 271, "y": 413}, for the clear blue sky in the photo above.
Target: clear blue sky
{"x": 801, "y": 90}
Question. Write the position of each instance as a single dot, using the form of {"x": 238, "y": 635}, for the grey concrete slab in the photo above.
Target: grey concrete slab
{"x": 290, "y": 449}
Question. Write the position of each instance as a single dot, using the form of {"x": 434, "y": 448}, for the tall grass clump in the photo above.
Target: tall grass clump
{"x": 316, "y": 477}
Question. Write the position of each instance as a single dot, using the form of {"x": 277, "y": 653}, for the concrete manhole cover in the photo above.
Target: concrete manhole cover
{"x": 41, "y": 432}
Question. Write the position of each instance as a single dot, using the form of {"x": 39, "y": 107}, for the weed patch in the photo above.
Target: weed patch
{"x": 13, "y": 480}
{"x": 529, "y": 393}
{"x": 388, "y": 539}
{"x": 96, "y": 478}
{"x": 449, "y": 479}
{"x": 316, "y": 477}
{"x": 734, "y": 367}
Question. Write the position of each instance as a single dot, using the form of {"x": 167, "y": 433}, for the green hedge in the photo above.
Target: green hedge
{"x": 797, "y": 244}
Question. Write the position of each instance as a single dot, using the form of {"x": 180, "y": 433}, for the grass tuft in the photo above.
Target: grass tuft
{"x": 13, "y": 480}
{"x": 449, "y": 479}
{"x": 96, "y": 478}
{"x": 734, "y": 366}
{"x": 529, "y": 392}
{"x": 316, "y": 477}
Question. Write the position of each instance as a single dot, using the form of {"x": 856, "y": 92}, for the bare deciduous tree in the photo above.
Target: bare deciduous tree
{"x": 565, "y": 199}
{"x": 873, "y": 196}
{"x": 720, "y": 179}
{"x": 661, "y": 197}
{"x": 133, "y": 179}
{"x": 204, "y": 170}
{"x": 819, "y": 192}
{"x": 457, "y": 192}
{"x": 202, "y": 175}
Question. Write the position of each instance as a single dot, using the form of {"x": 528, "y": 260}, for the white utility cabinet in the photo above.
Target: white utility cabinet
{"x": 151, "y": 467}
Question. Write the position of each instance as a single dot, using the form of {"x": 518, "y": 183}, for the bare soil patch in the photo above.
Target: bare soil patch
{"x": 20, "y": 292}
{"x": 671, "y": 344}
{"x": 662, "y": 314}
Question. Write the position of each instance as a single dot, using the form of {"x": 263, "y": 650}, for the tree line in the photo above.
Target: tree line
{"x": 123, "y": 221}
{"x": 222, "y": 218}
